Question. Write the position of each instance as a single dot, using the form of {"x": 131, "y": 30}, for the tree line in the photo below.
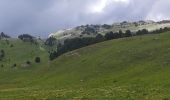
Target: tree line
{"x": 78, "y": 42}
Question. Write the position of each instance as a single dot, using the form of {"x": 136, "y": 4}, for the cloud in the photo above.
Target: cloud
{"x": 41, "y": 17}
{"x": 160, "y": 10}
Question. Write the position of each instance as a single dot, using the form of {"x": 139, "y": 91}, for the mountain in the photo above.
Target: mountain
{"x": 2, "y": 35}
{"x": 122, "y": 69}
{"x": 92, "y": 30}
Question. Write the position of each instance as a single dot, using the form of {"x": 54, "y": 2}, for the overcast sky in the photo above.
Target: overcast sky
{"x": 41, "y": 17}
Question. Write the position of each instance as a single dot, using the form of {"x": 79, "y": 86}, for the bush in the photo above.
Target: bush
{"x": 28, "y": 62}
{"x": 2, "y": 66}
{"x": 14, "y": 65}
{"x": 26, "y": 38}
{"x": 53, "y": 55}
{"x": 11, "y": 45}
{"x": 121, "y": 34}
{"x": 2, "y": 54}
{"x": 37, "y": 60}
{"x": 165, "y": 98}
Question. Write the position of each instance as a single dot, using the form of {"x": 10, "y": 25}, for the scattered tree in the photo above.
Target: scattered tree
{"x": 128, "y": 33}
{"x": 121, "y": 34}
{"x": 50, "y": 41}
{"x": 89, "y": 30}
{"x": 11, "y": 45}
{"x": 28, "y": 62}
{"x": 2, "y": 66}
{"x": 53, "y": 55}
{"x": 142, "y": 32}
{"x": 14, "y": 65}
{"x": 2, "y": 54}
{"x": 37, "y": 60}
{"x": 26, "y": 38}
{"x": 109, "y": 35}
{"x": 99, "y": 38}
{"x": 106, "y": 26}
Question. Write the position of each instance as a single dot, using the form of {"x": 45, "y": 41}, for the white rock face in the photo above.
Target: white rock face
{"x": 60, "y": 33}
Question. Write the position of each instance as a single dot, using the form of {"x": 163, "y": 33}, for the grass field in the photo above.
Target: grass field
{"x": 136, "y": 68}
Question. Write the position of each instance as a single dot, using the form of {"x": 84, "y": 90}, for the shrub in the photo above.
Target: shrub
{"x": 14, "y": 65}
{"x": 121, "y": 34}
{"x": 53, "y": 55}
{"x": 2, "y": 54}
{"x": 26, "y": 38}
{"x": 11, "y": 45}
{"x": 28, "y": 62}
{"x": 165, "y": 98}
{"x": 37, "y": 60}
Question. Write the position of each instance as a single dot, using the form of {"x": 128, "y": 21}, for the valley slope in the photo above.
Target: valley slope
{"x": 135, "y": 68}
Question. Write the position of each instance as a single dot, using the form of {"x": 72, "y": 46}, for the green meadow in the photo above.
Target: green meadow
{"x": 134, "y": 68}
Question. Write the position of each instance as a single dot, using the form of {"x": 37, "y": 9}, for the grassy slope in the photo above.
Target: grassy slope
{"x": 131, "y": 68}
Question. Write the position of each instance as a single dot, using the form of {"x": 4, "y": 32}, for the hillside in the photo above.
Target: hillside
{"x": 92, "y": 30}
{"x": 19, "y": 52}
{"x": 135, "y": 68}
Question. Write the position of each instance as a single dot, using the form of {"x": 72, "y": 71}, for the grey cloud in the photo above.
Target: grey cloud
{"x": 41, "y": 17}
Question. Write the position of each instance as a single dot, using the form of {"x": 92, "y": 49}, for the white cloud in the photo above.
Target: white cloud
{"x": 100, "y": 5}
{"x": 160, "y": 10}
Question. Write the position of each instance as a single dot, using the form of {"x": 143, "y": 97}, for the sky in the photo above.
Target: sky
{"x": 42, "y": 17}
